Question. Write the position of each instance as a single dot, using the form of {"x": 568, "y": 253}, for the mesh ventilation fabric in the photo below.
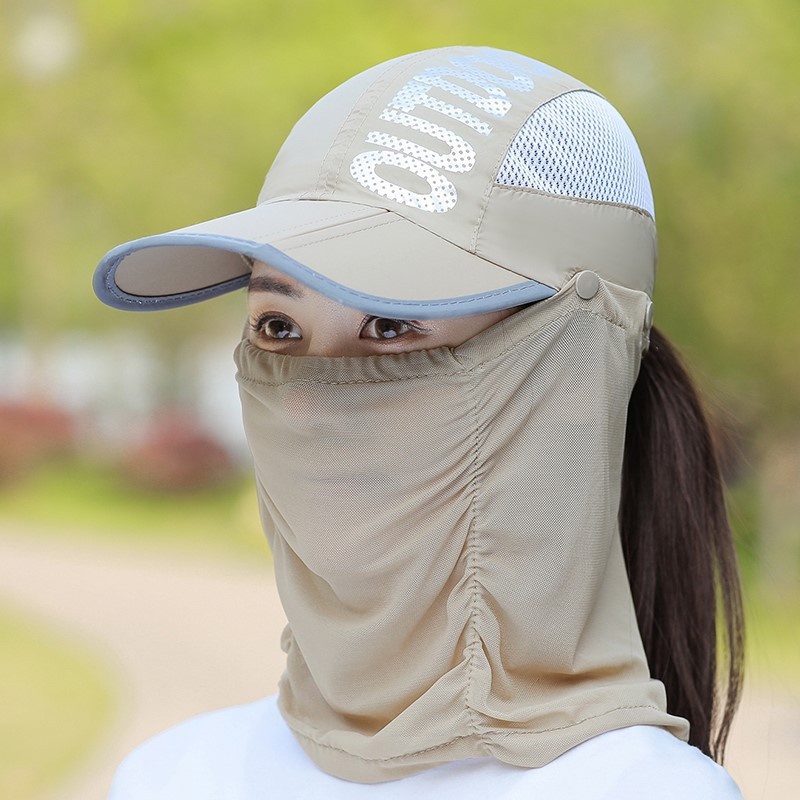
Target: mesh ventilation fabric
{"x": 578, "y": 145}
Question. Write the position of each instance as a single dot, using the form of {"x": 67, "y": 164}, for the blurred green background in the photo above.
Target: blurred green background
{"x": 121, "y": 119}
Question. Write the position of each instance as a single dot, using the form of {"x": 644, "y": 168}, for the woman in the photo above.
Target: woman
{"x": 499, "y": 550}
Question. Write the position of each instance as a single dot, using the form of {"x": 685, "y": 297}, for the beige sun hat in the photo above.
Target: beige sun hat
{"x": 453, "y": 181}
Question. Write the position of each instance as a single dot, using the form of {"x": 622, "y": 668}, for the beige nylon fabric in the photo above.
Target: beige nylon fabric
{"x": 444, "y": 529}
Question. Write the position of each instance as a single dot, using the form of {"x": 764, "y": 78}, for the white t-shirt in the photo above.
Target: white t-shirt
{"x": 248, "y": 753}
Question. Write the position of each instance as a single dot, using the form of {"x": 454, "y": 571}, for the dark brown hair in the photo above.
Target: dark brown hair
{"x": 679, "y": 549}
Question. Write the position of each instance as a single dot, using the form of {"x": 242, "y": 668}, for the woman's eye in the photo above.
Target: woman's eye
{"x": 272, "y": 327}
{"x": 383, "y": 328}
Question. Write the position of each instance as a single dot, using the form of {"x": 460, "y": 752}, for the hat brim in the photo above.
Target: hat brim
{"x": 364, "y": 257}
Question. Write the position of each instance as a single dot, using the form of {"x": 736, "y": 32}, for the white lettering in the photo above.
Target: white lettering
{"x": 461, "y": 157}
{"x": 424, "y": 162}
{"x": 497, "y": 104}
{"x": 415, "y": 94}
{"x": 520, "y": 82}
{"x": 441, "y": 198}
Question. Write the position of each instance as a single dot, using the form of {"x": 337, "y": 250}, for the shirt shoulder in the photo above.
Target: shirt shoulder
{"x": 200, "y": 758}
{"x": 248, "y": 752}
{"x": 646, "y": 761}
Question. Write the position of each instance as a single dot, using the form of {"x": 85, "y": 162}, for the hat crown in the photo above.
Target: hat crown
{"x": 485, "y": 149}
{"x": 410, "y": 129}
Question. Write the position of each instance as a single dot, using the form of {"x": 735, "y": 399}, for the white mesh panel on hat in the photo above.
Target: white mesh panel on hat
{"x": 578, "y": 145}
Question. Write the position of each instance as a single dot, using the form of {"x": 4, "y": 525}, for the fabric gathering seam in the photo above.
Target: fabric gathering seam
{"x": 385, "y": 759}
{"x": 492, "y": 731}
{"x": 472, "y": 565}
{"x": 509, "y": 733}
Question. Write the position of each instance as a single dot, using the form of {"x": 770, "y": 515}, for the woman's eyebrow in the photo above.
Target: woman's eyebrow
{"x": 263, "y": 283}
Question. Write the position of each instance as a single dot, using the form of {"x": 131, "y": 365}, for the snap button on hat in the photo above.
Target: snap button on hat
{"x": 586, "y": 284}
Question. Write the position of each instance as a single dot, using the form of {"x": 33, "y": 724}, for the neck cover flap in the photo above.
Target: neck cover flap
{"x": 444, "y": 529}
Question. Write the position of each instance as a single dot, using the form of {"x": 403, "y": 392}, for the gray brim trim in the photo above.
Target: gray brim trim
{"x": 109, "y": 292}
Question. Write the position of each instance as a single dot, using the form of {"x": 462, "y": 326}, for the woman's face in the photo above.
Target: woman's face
{"x": 287, "y": 317}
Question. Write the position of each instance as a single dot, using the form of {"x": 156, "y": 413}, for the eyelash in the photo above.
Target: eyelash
{"x": 258, "y": 325}
{"x": 414, "y": 327}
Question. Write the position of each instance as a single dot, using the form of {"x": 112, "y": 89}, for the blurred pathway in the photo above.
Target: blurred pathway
{"x": 186, "y": 635}
{"x": 181, "y": 635}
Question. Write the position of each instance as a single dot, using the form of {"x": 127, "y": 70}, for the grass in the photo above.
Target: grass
{"x": 89, "y": 501}
{"x": 56, "y": 702}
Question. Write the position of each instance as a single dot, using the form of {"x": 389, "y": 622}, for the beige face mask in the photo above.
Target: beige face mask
{"x": 444, "y": 528}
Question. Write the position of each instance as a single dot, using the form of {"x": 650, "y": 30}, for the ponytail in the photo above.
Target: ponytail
{"x": 679, "y": 549}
